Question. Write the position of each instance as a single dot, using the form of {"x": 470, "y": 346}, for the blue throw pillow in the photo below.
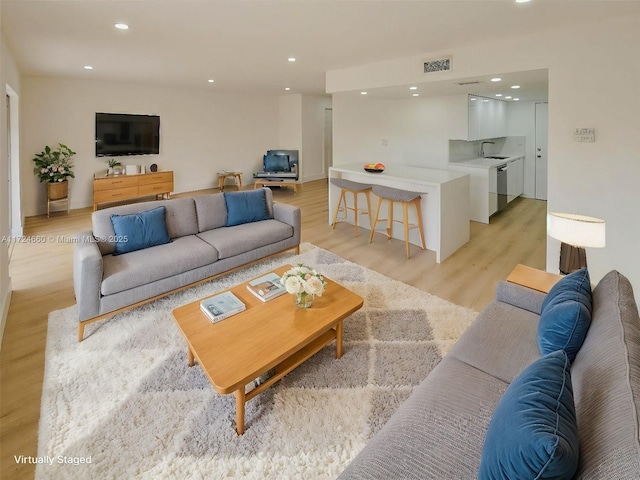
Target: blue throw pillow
{"x": 575, "y": 286}
{"x": 566, "y": 315}
{"x": 246, "y": 207}
{"x": 140, "y": 230}
{"x": 533, "y": 433}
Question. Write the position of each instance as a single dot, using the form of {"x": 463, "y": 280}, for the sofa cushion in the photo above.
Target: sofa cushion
{"x": 139, "y": 230}
{"x": 123, "y": 272}
{"x": 231, "y": 241}
{"x": 211, "y": 210}
{"x": 533, "y": 431}
{"x": 566, "y": 315}
{"x": 606, "y": 384}
{"x": 246, "y": 207}
{"x": 180, "y": 218}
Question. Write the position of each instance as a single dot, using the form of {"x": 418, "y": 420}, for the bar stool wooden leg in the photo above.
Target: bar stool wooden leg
{"x": 355, "y": 211}
{"x": 389, "y": 219}
{"x": 335, "y": 215}
{"x": 375, "y": 222}
{"x": 416, "y": 202}
{"x": 405, "y": 214}
{"x": 369, "y": 211}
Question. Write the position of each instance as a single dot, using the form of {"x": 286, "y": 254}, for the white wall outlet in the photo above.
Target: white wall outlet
{"x": 584, "y": 134}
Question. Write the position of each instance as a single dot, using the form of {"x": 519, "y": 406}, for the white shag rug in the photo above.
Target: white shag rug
{"x": 126, "y": 400}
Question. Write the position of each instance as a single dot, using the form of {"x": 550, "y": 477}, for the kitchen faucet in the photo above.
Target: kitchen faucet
{"x": 482, "y": 147}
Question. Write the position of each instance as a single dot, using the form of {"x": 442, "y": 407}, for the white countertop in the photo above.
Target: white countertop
{"x": 428, "y": 176}
{"x": 484, "y": 162}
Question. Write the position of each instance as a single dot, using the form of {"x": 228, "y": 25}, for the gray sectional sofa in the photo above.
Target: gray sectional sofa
{"x": 439, "y": 431}
{"x": 202, "y": 247}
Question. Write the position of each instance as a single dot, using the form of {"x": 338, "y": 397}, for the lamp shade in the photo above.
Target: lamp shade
{"x": 576, "y": 230}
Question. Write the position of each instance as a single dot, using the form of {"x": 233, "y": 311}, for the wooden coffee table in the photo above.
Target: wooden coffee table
{"x": 267, "y": 335}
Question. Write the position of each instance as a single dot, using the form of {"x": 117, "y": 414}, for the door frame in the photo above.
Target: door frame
{"x": 15, "y": 205}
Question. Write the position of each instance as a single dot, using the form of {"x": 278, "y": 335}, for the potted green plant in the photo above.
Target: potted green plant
{"x": 54, "y": 167}
{"x": 113, "y": 164}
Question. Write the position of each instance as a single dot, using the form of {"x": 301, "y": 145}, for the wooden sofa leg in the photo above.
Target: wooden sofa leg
{"x": 298, "y": 249}
{"x": 80, "y": 331}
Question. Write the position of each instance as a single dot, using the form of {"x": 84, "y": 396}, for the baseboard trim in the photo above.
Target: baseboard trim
{"x": 4, "y": 303}
{"x": 311, "y": 178}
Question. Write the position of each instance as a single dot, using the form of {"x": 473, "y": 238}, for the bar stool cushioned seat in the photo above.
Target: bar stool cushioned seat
{"x": 355, "y": 188}
{"x": 405, "y": 197}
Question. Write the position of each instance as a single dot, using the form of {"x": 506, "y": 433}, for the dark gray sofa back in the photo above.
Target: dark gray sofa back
{"x": 606, "y": 385}
{"x": 181, "y": 220}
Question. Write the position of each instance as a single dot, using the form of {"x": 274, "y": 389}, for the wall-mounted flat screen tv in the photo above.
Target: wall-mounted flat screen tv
{"x": 125, "y": 134}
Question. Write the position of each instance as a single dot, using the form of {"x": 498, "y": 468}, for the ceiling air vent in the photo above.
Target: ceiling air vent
{"x": 472, "y": 82}
{"x": 439, "y": 65}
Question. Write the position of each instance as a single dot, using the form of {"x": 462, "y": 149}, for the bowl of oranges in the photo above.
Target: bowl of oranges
{"x": 374, "y": 167}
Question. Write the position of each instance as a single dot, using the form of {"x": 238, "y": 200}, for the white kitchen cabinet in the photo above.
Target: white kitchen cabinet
{"x": 515, "y": 179}
{"x": 481, "y": 119}
{"x": 483, "y": 184}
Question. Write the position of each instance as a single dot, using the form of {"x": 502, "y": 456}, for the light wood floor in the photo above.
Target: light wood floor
{"x": 42, "y": 281}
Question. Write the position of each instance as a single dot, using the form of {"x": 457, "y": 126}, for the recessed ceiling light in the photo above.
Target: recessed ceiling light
{"x": 485, "y": 100}
{"x": 363, "y": 93}
{"x": 523, "y": 1}
{"x": 413, "y": 88}
{"x": 516, "y": 99}
{"x": 515, "y": 86}
{"x": 121, "y": 26}
{"x": 416, "y": 94}
{"x": 210, "y": 80}
{"x": 287, "y": 88}
{"x": 473, "y": 99}
{"x": 496, "y": 79}
{"x": 508, "y": 97}
{"x": 498, "y": 94}
{"x": 88, "y": 67}
{"x": 291, "y": 59}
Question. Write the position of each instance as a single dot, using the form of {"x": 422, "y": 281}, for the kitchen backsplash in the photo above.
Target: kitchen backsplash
{"x": 462, "y": 150}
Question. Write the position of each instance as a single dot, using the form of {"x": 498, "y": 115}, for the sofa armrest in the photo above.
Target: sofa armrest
{"x": 290, "y": 215}
{"x": 519, "y": 296}
{"x": 87, "y": 275}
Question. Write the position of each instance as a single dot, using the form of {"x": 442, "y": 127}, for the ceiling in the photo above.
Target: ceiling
{"x": 244, "y": 45}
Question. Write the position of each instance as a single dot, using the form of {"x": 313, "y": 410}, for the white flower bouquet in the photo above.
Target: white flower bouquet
{"x": 304, "y": 282}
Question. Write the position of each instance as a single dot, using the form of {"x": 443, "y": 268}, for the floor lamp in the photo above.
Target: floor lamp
{"x": 575, "y": 232}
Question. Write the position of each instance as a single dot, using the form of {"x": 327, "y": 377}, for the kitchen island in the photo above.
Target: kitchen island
{"x": 485, "y": 194}
{"x": 445, "y": 207}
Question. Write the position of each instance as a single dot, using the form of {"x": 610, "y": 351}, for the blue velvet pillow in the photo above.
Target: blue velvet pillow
{"x": 566, "y": 315}
{"x": 533, "y": 433}
{"x": 140, "y": 230}
{"x": 246, "y": 207}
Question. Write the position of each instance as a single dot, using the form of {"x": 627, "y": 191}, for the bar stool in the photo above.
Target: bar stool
{"x": 355, "y": 188}
{"x": 393, "y": 195}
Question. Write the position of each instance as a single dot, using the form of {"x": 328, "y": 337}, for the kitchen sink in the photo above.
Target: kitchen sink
{"x": 497, "y": 158}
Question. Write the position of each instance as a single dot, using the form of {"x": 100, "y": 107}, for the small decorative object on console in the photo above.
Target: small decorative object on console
{"x": 374, "y": 167}
{"x": 153, "y": 167}
{"x": 305, "y": 283}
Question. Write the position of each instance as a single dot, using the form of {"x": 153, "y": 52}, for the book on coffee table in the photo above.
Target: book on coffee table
{"x": 266, "y": 287}
{"x": 222, "y": 306}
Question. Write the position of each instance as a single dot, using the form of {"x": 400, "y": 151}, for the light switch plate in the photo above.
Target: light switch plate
{"x": 584, "y": 134}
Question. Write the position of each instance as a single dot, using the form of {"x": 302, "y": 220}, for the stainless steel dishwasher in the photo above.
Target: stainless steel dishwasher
{"x": 502, "y": 186}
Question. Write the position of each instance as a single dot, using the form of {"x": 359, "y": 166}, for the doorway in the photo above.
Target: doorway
{"x": 542, "y": 132}
{"x": 327, "y": 145}
{"x": 13, "y": 156}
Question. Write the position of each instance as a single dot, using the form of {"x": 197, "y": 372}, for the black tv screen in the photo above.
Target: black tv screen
{"x": 276, "y": 163}
{"x": 125, "y": 134}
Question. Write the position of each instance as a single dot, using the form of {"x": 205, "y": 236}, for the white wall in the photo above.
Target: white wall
{"x": 201, "y": 131}
{"x": 411, "y": 131}
{"x": 593, "y": 72}
{"x": 313, "y": 107}
{"x": 290, "y": 127}
{"x": 9, "y": 76}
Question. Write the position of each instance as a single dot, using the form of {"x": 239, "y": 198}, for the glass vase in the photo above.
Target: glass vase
{"x": 303, "y": 300}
